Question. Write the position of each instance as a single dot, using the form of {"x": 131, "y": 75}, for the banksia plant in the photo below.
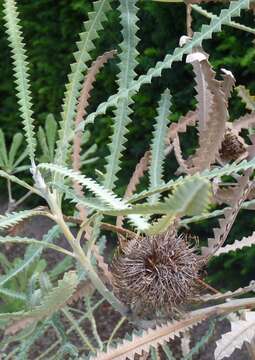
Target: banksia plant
{"x": 156, "y": 272}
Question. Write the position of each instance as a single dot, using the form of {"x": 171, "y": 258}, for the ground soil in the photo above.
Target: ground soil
{"x": 106, "y": 317}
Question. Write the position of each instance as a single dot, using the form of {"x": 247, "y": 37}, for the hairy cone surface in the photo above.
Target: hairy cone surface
{"x": 156, "y": 272}
{"x": 232, "y": 147}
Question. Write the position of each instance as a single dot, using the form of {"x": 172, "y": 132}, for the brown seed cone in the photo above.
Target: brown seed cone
{"x": 232, "y": 146}
{"x": 156, "y": 272}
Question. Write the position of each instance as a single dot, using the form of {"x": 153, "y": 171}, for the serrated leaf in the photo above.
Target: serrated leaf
{"x": 20, "y": 72}
{"x": 53, "y": 301}
{"x": 158, "y": 143}
{"x": 18, "y": 181}
{"x": 126, "y": 75}
{"x": 103, "y": 194}
{"x": 237, "y": 245}
{"x": 14, "y": 218}
{"x": 241, "y": 331}
{"x": 233, "y": 24}
{"x": 25, "y": 240}
{"x": 228, "y": 169}
{"x": 246, "y": 97}
{"x": 82, "y": 56}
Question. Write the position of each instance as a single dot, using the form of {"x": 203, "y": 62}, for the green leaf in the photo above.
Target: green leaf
{"x": 13, "y": 294}
{"x": 18, "y": 181}
{"x": 51, "y": 128}
{"x": 168, "y": 352}
{"x": 158, "y": 143}
{"x": 246, "y": 97}
{"x": 82, "y": 56}
{"x": 126, "y": 75}
{"x": 88, "y": 152}
{"x": 24, "y": 240}
{"x": 43, "y": 144}
{"x": 20, "y": 72}
{"x": 32, "y": 254}
{"x": 21, "y": 157}
{"x": 233, "y": 24}
{"x": 206, "y": 33}
{"x": 3, "y": 151}
{"x": 14, "y": 218}
{"x": 104, "y": 194}
{"x": 53, "y": 301}
{"x": 16, "y": 143}
{"x": 207, "y": 174}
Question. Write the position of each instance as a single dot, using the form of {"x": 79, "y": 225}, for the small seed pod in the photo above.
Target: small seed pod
{"x": 156, "y": 272}
{"x": 233, "y": 147}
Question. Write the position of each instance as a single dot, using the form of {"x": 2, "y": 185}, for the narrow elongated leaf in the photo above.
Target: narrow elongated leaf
{"x": 3, "y": 151}
{"x": 16, "y": 143}
{"x": 31, "y": 255}
{"x": 140, "y": 169}
{"x": 204, "y": 96}
{"x": 228, "y": 169}
{"x": 211, "y": 130}
{"x": 43, "y": 143}
{"x": 82, "y": 56}
{"x": 51, "y": 134}
{"x": 221, "y": 233}
{"x": 14, "y": 218}
{"x": 158, "y": 143}
{"x": 231, "y": 23}
{"x": 126, "y": 75}
{"x": 53, "y": 301}
{"x": 237, "y": 245}
{"x": 241, "y": 331}
{"x": 20, "y": 72}
{"x": 247, "y": 98}
{"x": 18, "y": 181}
{"x": 106, "y": 195}
{"x": 24, "y": 240}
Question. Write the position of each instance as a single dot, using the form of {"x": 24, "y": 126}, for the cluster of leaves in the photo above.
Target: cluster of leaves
{"x": 218, "y": 172}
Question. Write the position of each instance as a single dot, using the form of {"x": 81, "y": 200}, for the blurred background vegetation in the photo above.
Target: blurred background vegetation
{"x": 51, "y": 29}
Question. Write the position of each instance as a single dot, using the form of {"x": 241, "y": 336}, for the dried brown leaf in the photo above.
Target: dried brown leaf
{"x": 244, "y": 122}
{"x": 228, "y": 83}
{"x": 84, "y": 288}
{"x": 247, "y": 98}
{"x": 221, "y": 233}
{"x": 18, "y": 325}
{"x": 81, "y": 112}
{"x": 211, "y": 137}
{"x": 204, "y": 96}
{"x": 153, "y": 337}
{"x": 184, "y": 166}
{"x": 189, "y": 119}
{"x": 102, "y": 264}
{"x": 135, "y": 179}
{"x": 237, "y": 245}
{"x": 241, "y": 331}
{"x": 229, "y": 294}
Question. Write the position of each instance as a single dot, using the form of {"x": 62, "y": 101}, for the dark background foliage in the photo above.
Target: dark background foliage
{"x": 51, "y": 29}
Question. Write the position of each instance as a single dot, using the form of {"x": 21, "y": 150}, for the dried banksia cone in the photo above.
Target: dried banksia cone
{"x": 233, "y": 147}
{"x": 156, "y": 272}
